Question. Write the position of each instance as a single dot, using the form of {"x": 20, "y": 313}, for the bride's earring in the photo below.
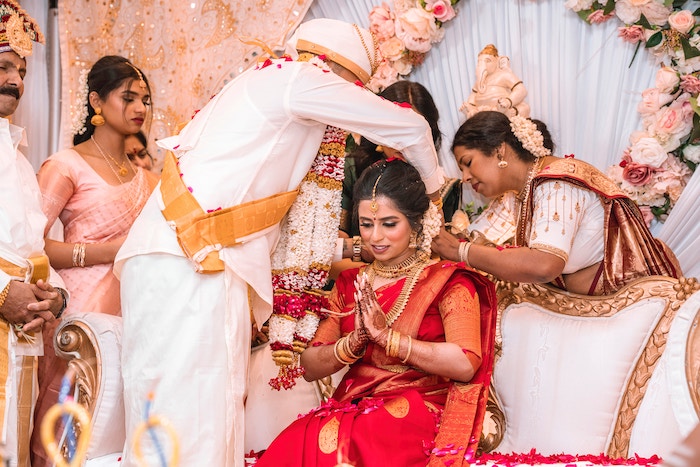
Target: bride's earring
{"x": 502, "y": 164}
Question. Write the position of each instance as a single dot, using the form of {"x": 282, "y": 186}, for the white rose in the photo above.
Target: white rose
{"x": 578, "y": 5}
{"x": 403, "y": 66}
{"x": 649, "y": 152}
{"x": 682, "y": 21}
{"x": 628, "y": 13}
{"x": 692, "y": 153}
{"x": 667, "y": 79}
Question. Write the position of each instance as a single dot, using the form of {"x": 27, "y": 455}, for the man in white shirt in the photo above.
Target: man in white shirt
{"x": 186, "y": 338}
{"x": 30, "y": 291}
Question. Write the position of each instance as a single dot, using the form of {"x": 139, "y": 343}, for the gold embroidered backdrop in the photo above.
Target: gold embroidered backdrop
{"x": 187, "y": 49}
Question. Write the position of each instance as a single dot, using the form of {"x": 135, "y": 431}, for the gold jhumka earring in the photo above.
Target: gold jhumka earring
{"x": 97, "y": 119}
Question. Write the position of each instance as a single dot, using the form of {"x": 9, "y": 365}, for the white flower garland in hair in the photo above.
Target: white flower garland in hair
{"x": 432, "y": 221}
{"x": 81, "y": 111}
{"x": 529, "y": 136}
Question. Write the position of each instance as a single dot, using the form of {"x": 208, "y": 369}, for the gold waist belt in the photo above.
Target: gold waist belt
{"x": 202, "y": 234}
{"x": 37, "y": 268}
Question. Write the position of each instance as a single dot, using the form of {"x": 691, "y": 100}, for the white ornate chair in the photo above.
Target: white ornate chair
{"x": 616, "y": 374}
{"x": 91, "y": 343}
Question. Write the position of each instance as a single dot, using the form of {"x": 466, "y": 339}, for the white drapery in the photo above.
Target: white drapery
{"x": 579, "y": 80}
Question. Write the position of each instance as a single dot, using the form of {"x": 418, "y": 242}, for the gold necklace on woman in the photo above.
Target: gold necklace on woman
{"x": 412, "y": 274}
{"x": 524, "y": 195}
{"x": 122, "y": 170}
{"x": 396, "y": 270}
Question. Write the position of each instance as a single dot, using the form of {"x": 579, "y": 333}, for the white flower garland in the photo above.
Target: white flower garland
{"x": 529, "y": 136}
{"x": 80, "y": 110}
{"x": 432, "y": 222}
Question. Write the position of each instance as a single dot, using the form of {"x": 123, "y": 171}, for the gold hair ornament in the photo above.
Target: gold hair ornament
{"x": 142, "y": 82}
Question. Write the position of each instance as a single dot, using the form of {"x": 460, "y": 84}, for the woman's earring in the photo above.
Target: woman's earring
{"x": 501, "y": 163}
{"x": 97, "y": 119}
{"x": 413, "y": 241}
{"x": 380, "y": 148}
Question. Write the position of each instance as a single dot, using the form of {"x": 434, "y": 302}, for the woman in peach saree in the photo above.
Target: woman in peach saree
{"x": 97, "y": 194}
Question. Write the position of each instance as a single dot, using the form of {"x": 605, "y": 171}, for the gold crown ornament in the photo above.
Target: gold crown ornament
{"x": 17, "y": 29}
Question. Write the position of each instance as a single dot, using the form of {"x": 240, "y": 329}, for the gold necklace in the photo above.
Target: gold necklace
{"x": 410, "y": 282}
{"x": 524, "y": 195}
{"x": 396, "y": 270}
{"x": 122, "y": 167}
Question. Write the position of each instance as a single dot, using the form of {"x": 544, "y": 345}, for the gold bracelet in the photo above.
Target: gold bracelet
{"x": 3, "y": 295}
{"x": 387, "y": 347}
{"x": 392, "y": 350}
{"x": 341, "y": 354}
{"x": 408, "y": 353}
{"x": 438, "y": 203}
{"x": 79, "y": 255}
{"x": 348, "y": 350}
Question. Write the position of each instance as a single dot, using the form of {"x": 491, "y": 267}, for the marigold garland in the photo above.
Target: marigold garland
{"x": 300, "y": 266}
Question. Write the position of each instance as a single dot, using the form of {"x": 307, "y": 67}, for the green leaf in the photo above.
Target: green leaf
{"x": 583, "y": 14}
{"x": 695, "y": 134}
{"x": 678, "y": 4}
{"x": 654, "y": 40}
{"x": 644, "y": 22}
{"x": 609, "y": 7}
{"x": 688, "y": 50}
{"x": 696, "y": 12}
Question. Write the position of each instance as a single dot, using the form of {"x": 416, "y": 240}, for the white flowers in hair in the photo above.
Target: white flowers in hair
{"x": 432, "y": 221}
{"x": 81, "y": 111}
{"x": 529, "y": 136}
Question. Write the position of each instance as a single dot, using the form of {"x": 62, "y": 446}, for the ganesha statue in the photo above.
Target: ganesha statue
{"x": 497, "y": 87}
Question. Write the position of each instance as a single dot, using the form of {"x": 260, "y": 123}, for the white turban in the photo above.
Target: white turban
{"x": 346, "y": 44}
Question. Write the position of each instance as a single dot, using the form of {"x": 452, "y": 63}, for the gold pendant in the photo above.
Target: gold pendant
{"x": 123, "y": 171}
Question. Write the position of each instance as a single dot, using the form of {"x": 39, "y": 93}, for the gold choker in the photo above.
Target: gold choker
{"x": 402, "y": 269}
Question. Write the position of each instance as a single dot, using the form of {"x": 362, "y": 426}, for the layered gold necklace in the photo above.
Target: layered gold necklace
{"x": 121, "y": 168}
{"x": 412, "y": 268}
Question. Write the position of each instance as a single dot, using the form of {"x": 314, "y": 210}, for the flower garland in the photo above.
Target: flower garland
{"x": 529, "y": 136}
{"x": 534, "y": 458}
{"x": 301, "y": 262}
{"x": 657, "y": 165}
{"x": 81, "y": 103}
{"x": 405, "y": 35}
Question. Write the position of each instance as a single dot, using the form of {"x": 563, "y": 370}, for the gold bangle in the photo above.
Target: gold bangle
{"x": 3, "y": 295}
{"x": 348, "y": 350}
{"x": 387, "y": 347}
{"x": 79, "y": 255}
{"x": 464, "y": 253}
{"x": 392, "y": 350}
{"x": 408, "y": 352}
{"x": 341, "y": 354}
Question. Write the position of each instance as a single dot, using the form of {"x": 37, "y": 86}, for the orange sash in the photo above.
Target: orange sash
{"x": 202, "y": 234}
{"x": 38, "y": 268}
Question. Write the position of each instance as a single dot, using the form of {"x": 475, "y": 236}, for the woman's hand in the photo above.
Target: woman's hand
{"x": 371, "y": 314}
{"x": 446, "y": 246}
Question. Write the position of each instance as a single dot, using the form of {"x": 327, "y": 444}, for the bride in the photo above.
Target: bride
{"x": 406, "y": 326}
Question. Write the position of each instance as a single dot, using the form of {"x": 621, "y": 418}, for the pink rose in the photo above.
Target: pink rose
{"x": 598, "y": 17}
{"x": 392, "y": 49}
{"x": 682, "y": 21}
{"x": 637, "y": 174}
{"x": 441, "y": 9}
{"x": 385, "y": 76}
{"x": 417, "y": 29}
{"x": 675, "y": 120}
{"x": 652, "y": 100}
{"x": 656, "y": 12}
{"x": 667, "y": 79}
{"x": 631, "y": 34}
{"x": 690, "y": 84}
{"x": 381, "y": 22}
{"x": 647, "y": 215}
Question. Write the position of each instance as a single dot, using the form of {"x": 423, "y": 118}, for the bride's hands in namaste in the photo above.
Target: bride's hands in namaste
{"x": 372, "y": 317}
